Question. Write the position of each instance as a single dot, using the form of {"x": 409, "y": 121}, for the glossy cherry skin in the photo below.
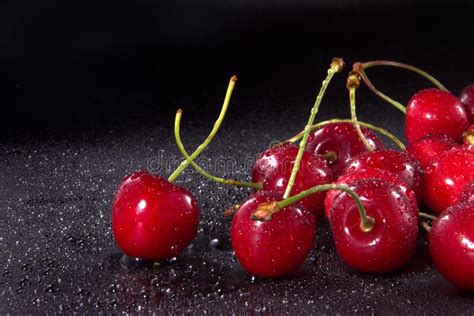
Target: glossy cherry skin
{"x": 447, "y": 177}
{"x": 313, "y": 171}
{"x": 467, "y": 194}
{"x": 432, "y": 111}
{"x": 428, "y": 149}
{"x": 273, "y": 248}
{"x": 273, "y": 160}
{"x": 399, "y": 163}
{"x": 152, "y": 218}
{"x": 451, "y": 243}
{"x": 467, "y": 99}
{"x": 371, "y": 174}
{"x": 390, "y": 243}
{"x": 341, "y": 139}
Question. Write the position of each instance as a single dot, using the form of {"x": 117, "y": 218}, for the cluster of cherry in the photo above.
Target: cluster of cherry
{"x": 339, "y": 169}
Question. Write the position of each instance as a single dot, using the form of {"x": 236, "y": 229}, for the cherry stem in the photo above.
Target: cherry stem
{"x": 337, "y": 65}
{"x": 469, "y": 137}
{"x": 380, "y": 130}
{"x": 426, "y": 226}
{"x": 427, "y": 216}
{"x": 360, "y": 69}
{"x": 265, "y": 210}
{"x": 211, "y": 135}
{"x": 353, "y": 82}
{"x": 177, "y": 134}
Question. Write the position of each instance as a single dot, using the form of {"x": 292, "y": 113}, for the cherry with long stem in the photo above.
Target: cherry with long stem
{"x": 360, "y": 69}
{"x": 337, "y": 65}
{"x": 265, "y": 210}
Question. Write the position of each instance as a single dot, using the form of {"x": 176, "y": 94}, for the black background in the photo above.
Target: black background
{"x": 88, "y": 90}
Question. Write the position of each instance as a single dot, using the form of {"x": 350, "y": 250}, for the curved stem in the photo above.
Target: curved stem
{"x": 265, "y": 210}
{"x": 416, "y": 70}
{"x": 177, "y": 134}
{"x": 211, "y": 135}
{"x": 352, "y": 84}
{"x": 427, "y": 216}
{"x": 337, "y": 65}
{"x": 380, "y": 130}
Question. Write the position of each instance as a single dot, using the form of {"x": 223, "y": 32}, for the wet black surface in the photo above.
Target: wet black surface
{"x": 77, "y": 117}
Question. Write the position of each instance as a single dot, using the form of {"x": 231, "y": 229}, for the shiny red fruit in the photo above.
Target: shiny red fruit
{"x": 274, "y": 248}
{"x": 272, "y": 160}
{"x": 313, "y": 171}
{"x": 390, "y": 243}
{"x": 451, "y": 243}
{"x": 445, "y": 179}
{"x": 467, "y": 194}
{"x": 342, "y": 140}
{"x": 398, "y": 163}
{"x": 467, "y": 99}
{"x": 432, "y": 111}
{"x": 152, "y": 218}
{"x": 370, "y": 174}
{"x": 428, "y": 149}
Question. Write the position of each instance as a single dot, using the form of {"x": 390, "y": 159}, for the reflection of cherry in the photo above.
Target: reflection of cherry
{"x": 432, "y": 111}
{"x": 152, "y": 218}
{"x": 398, "y": 163}
{"x": 446, "y": 178}
{"x": 276, "y": 247}
{"x": 390, "y": 243}
{"x": 339, "y": 143}
{"x": 467, "y": 99}
{"x": 313, "y": 171}
{"x": 371, "y": 174}
{"x": 451, "y": 245}
{"x": 428, "y": 149}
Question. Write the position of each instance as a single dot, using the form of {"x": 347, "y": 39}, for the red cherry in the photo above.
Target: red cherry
{"x": 313, "y": 171}
{"x": 451, "y": 243}
{"x": 430, "y": 148}
{"x": 467, "y": 99}
{"x": 370, "y": 174}
{"x": 272, "y": 160}
{"x": 432, "y": 111}
{"x": 467, "y": 195}
{"x": 152, "y": 218}
{"x": 390, "y": 243}
{"x": 447, "y": 177}
{"x": 276, "y": 247}
{"x": 399, "y": 163}
{"x": 342, "y": 140}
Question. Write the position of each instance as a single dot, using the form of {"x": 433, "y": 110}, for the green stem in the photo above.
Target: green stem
{"x": 360, "y": 69}
{"x": 354, "y": 119}
{"x": 177, "y": 134}
{"x": 367, "y": 223}
{"x": 427, "y": 216}
{"x": 380, "y": 130}
{"x": 336, "y": 66}
{"x": 211, "y": 135}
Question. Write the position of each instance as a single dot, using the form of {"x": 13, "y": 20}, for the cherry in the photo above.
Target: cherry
{"x": 447, "y": 177}
{"x": 371, "y": 174}
{"x": 432, "y": 111}
{"x": 276, "y": 247}
{"x": 399, "y": 163}
{"x": 451, "y": 243}
{"x": 274, "y": 159}
{"x": 430, "y": 148}
{"x": 153, "y": 219}
{"x": 313, "y": 171}
{"x": 389, "y": 244}
{"x": 339, "y": 143}
{"x": 467, "y": 99}
{"x": 467, "y": 194}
